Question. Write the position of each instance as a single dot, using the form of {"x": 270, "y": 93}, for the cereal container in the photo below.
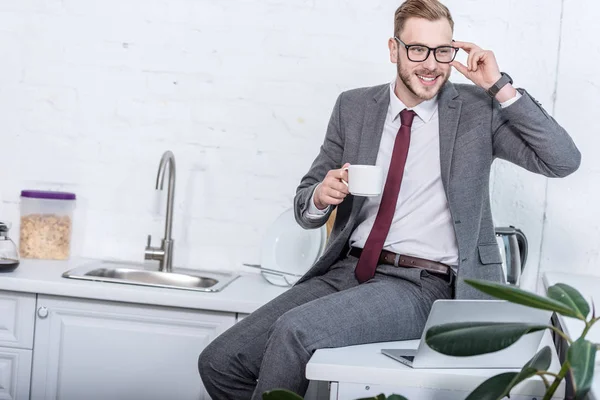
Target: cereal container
{"x": 46, "y": 224}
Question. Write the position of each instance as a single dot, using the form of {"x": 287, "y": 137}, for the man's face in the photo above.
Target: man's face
{"x": 421, "y": 80}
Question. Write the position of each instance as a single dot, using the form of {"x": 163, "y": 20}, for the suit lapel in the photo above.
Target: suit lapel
{"x": 372, "y": 129}
{"x": 449, "y": 115}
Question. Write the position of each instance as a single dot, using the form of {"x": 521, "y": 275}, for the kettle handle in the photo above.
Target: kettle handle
{"x": 523, "y": 246}
{"x": 521, "y": 240}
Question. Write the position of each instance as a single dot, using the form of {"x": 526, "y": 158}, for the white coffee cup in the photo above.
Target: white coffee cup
{"x": 364, "y": 180}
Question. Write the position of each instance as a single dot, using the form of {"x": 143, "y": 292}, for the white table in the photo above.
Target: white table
{"x": 362, "y": 371}
{"x": 589, "y": 287}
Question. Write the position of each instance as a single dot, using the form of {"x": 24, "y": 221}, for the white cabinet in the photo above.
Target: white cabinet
{"x": 17, "y": 319}
{"x": 15, "y": 373}
{"x": 85, "y": 349}
{"x": 16, "y": 341}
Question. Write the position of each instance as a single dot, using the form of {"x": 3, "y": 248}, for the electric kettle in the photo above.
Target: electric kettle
{"x": 9, "y": 255}
{"x": 515, "y": 249}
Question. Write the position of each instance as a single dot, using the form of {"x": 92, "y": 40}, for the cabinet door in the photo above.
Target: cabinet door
{"x": 17, "y": 312}
{"x": 86, "y": 349}
{"x": 15, "y": 372}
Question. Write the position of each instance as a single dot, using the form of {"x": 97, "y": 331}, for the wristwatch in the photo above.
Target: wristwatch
{"x": 495, "y": 88}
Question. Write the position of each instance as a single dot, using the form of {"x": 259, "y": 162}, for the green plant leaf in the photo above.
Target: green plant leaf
{"x": 499, "y": 386}
{"x": 493, "y": 388}
{"x": 570, "y": 297}
{"x": 382, "y": 397}
{"x": 378, "y": 397}
{"x": 474, "y": 338}
{"x": 519, "y": 296}
{"x": 280, "y": 394}
{"x": 581, "y": 356}
{"x": 541, "y": 360}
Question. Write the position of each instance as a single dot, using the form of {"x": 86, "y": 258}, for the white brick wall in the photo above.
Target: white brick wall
{"x": 93, "y": 92}
{"x": 572, "y": 229}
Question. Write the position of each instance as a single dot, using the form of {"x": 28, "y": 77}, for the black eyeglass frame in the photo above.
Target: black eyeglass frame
{"x": 429, "y": 50}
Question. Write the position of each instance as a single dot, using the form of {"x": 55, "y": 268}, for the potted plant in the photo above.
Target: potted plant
{"x": 487, "y": 337}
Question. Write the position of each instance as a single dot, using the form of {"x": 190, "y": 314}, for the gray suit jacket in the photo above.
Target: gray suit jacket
{"x": 474, "y": 130}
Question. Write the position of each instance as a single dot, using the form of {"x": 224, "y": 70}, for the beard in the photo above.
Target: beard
{"x": 413, "y": 84}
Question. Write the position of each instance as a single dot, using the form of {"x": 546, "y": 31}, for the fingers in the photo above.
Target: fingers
{"x": 344, "y": 172}
{"x": 460, "y": 68}
{"x": 331, "y": 200}
{"x": 332, "y": 191}
{"x": 477, "y": 58}
{"x": 473, "y": 60}
{"x": 476, "y": 54}
{"x": 333, "y": 194}
{"x": 340, "y": 187}
{"x": 333, "y": 181}
{"x": 466, "y": 46}
{"x": 470, "y": 63}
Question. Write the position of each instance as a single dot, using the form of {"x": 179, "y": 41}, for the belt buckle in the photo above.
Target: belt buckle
{"x": 348, "y": 252}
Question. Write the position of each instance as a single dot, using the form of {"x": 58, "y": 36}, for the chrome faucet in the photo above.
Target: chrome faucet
{"x": 164, "y": 254}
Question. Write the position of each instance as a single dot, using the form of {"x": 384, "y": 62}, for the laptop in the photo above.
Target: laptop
{"x": 445, "y": 311}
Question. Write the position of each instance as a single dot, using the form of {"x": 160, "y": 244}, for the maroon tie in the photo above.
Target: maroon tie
{"x": 369, "y": 258}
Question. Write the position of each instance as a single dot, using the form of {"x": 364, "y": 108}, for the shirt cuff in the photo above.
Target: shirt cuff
{"x": 510, "y": 101}
{"x": 313, "y": 212}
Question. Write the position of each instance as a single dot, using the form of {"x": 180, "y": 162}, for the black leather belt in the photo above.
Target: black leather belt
{"x": 440, "y": 270}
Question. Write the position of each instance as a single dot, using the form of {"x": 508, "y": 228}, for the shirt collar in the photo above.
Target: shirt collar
{"x": 424, "y": 110}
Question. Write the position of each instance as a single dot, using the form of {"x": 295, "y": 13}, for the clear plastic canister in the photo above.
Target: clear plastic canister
{"x": 46, "y": 224}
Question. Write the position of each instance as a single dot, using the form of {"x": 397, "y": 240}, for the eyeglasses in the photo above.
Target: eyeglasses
{"x": 420, "y": 53}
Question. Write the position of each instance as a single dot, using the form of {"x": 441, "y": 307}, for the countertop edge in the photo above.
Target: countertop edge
{"x": 244, "y": 295}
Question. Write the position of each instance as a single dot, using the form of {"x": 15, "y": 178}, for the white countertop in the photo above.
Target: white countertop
{"x": 366, "y": 365}
{"x": 244, "y": 295}
{"x": 589, "y": 287}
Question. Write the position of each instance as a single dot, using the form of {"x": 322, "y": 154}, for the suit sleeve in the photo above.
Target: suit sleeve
{"x": 526, "y": 135}
{"x": 329, "y": 157}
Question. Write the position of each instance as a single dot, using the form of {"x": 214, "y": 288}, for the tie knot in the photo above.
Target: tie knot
{"x": 406, "y": 117}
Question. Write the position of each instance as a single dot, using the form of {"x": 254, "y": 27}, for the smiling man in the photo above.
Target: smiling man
{"x": 390, "y": 257}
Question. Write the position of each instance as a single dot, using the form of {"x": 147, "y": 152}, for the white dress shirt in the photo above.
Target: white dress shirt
{"x": 422, "y": 225}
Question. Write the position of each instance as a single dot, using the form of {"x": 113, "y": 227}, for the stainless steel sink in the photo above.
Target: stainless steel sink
{"x": 138, "y": 274}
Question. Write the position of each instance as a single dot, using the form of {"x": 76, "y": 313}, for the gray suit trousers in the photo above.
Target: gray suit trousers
{"x": 270, "y": 348}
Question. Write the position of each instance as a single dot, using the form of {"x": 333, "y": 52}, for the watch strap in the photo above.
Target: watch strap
{"x": 504, "y": 80}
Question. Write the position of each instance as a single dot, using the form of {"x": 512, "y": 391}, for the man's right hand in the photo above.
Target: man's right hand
{"x": 332, "y": 191}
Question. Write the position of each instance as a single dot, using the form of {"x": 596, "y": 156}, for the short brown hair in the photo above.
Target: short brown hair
{"x": 431, "y": 10}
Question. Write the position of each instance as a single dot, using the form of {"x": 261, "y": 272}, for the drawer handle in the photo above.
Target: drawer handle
{"x": 42, "y": 312}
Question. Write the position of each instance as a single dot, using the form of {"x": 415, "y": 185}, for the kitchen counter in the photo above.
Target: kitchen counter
{"x": 589, "y": 287}
{"x": 244, "y": 295}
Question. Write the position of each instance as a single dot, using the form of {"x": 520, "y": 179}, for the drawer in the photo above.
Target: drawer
{"x": 17, "y": 318}
{"x": 15, "y": 373}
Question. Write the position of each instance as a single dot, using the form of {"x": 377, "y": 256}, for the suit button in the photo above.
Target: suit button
{"x": 457, "y": 221}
